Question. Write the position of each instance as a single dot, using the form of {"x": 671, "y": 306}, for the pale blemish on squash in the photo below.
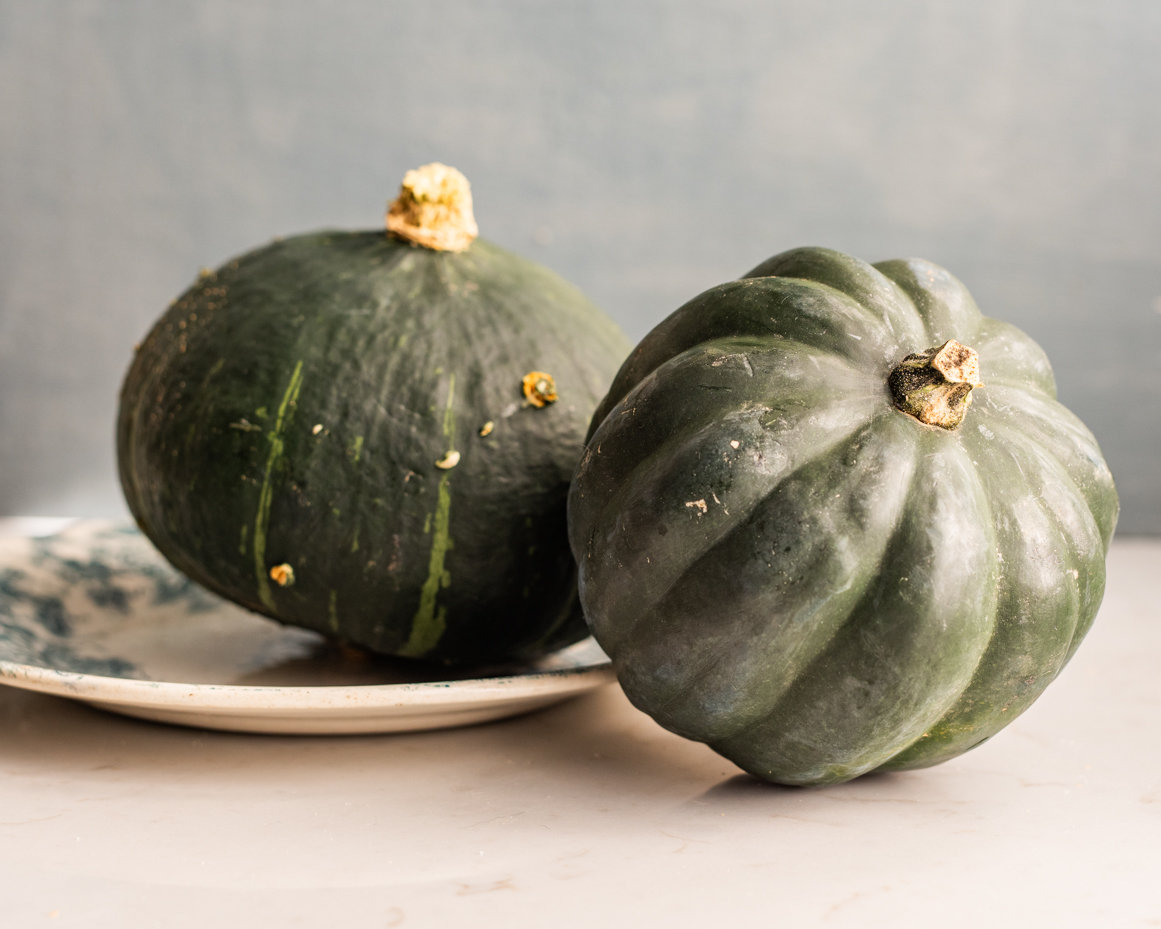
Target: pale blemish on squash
{"x": 333, "y": 613}
{"x": 486, "y": 429}
{"x": 356, "y": 449}
{"x": 266, "y": 495}
{"x": 699, "y": 505}
{"x": 242, "y": 540}
{"x": 282, "y": 575}
{"x": 244, "y": 425}
{"x": 396, "y": 555}
{"x": 539, "y": 388}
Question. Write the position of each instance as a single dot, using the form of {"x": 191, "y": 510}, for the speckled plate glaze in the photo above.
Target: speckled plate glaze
{"x": 94, "y": 613}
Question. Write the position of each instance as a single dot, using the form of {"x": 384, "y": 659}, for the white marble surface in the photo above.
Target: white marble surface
{"x": 590, "y": 815}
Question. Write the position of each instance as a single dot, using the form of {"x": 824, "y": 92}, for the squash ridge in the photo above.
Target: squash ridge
{"x": 1084, "y": 615}
{"x": 849, "y": 749}
{"x": 930, "y": 301}
{"x": 1013, "y": 592}
{"x": 631, "y": 486}
{"x": 863, "y": 279}
{"x": 693, "y": 325}
{"x": 868, "y": 592}
{"x": 863, "y": 578}
{"x": 1083, "y": 445}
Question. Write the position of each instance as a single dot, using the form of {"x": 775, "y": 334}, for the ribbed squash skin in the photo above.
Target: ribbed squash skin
{"x": 400, "y": 354}
{"x": 786, "y": 567}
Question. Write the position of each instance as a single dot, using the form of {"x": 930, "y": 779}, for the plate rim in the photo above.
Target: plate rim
{"x": 275, "y": 698}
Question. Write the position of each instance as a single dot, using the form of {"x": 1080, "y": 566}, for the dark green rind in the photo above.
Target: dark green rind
{"x": 862, "y": 591}
{"x": 389, "y": 551}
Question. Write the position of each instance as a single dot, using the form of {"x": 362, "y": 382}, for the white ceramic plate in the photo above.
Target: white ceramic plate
{"x": 94, "y": 613}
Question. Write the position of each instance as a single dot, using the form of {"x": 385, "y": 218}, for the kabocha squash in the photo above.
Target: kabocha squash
{"x": 335, "y": 430}
{"x": 809, "y": 536}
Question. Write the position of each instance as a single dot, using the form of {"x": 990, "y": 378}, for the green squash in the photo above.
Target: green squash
{"x": 334, "y": 430}
{"x": 785, "y": 564}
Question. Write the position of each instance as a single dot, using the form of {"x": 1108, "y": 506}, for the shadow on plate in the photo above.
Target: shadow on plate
{"x": 336, "y": 664}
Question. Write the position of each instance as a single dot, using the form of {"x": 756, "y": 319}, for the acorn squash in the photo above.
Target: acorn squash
{"x": 811, "y": 538}
{"x": 338, "y": 430}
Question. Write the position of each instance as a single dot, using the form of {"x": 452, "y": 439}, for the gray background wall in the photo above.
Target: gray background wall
{"x": 645, "y": 150}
